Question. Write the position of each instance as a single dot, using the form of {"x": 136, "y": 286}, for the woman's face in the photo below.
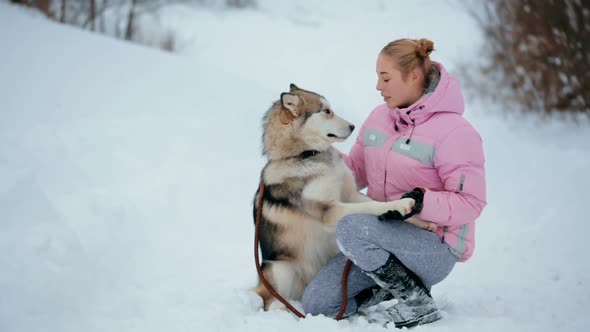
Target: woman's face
{"x": 396, "y": 91}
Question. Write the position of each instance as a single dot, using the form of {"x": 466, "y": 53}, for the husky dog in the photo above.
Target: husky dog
{"x": 308, "y": 188}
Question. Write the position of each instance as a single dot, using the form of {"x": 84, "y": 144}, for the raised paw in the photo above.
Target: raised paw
{"x": 405, "y": 205}
{"x": 398, "y": 210}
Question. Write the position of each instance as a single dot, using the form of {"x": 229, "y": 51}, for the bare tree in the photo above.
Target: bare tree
{"x": 105, "y": 5}
{"x": 92, "y": 15}
{"x": 62, "y": 17}
{"x": 123, "y": 15}
{"x": 540, "y": 51}
{"x": 42, "y": 5}
{"x": 240, "y": 3}
{"x": 130, "y": 18}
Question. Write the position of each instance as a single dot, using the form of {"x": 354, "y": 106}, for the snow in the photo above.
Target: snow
{"x": 127, "y": 173}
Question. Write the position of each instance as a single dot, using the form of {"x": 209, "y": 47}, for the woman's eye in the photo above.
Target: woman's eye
{"x": 385, "y": 81}
{"x": 327, "y": 111}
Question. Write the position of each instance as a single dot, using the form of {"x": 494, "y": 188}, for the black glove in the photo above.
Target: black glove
{"x": 393, "y": 215}
{"x": 418, "y": 195}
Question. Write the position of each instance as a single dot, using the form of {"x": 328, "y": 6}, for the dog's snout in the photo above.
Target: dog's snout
{"x": 351, "y": 127}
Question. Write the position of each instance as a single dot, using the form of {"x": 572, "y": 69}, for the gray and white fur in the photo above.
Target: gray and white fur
{"x": 308, "y": 189}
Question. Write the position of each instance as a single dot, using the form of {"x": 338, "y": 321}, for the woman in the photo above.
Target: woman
{"x": 416, "y": 145}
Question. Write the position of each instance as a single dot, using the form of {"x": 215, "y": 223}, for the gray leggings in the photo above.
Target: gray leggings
{"x": 368, "y": 242}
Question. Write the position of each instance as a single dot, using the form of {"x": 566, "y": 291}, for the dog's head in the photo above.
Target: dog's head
{"x": 313, "y": 114}
{"x": 302, "y": 120}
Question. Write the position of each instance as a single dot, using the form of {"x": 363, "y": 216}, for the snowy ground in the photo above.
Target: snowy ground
{"x": 126, "y": 173}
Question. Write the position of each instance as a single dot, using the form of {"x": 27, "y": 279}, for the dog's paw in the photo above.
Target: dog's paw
{"x": 398, "y": 210}
{"x": 277, "y": 305}
{"x": 405, "y": 206}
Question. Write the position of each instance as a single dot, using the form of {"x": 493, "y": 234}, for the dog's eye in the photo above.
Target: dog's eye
{"x": 327, "y": 111}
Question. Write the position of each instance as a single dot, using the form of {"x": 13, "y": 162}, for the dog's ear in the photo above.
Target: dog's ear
{"x": 293, "y": 87}
{"x": 290, "y": 105}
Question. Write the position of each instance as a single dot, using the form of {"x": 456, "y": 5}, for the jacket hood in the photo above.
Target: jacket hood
{"x": 446, "y": 98}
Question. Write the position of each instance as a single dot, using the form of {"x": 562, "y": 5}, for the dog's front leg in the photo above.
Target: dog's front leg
{"x": 358, "y": 197}
{"x": 350, "y": 192}
{"x": 331, "y": 212}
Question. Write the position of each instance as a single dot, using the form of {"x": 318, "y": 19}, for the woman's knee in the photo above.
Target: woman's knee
{"x": 347, "y": 226}
{"x": 317, "y": 303}
{"x": 350, "y": 230}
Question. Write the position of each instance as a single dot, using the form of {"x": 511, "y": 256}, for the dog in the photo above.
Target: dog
{"x": 308, "y": 189}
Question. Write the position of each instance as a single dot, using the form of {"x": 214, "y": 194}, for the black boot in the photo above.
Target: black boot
{"x": 372, "y": 296}
{"x": 415, "y": 305}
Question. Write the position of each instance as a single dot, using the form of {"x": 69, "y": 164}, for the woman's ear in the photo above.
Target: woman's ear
{"x": 416, "y": 74}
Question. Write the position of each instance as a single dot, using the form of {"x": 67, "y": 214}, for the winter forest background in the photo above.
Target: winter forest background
{"x": 130, "y": 152}
{"x": 544, "y": 67}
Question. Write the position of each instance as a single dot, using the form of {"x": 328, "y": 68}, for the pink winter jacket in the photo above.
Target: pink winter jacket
{"x": 428, "y": 145}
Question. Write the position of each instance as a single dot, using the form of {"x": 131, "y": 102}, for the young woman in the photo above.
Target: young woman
{"x": 417, "y": 144}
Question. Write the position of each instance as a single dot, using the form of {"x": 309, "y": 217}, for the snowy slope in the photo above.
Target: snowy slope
{"x": 126, "y": 174}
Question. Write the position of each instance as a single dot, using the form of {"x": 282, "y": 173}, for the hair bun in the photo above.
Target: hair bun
{"x": 424, "y": 47}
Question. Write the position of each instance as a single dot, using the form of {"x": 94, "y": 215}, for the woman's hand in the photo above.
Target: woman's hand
{"x": 418, "y": 195}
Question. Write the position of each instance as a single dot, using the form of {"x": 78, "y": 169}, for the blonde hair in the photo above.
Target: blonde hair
{"x": 411, "y": 53}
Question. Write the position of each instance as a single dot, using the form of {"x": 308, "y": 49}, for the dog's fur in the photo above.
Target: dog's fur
{"x": 308, "y": 188}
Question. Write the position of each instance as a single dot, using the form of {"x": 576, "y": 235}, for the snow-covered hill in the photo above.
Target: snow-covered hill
{"x": 126, "y": 173}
